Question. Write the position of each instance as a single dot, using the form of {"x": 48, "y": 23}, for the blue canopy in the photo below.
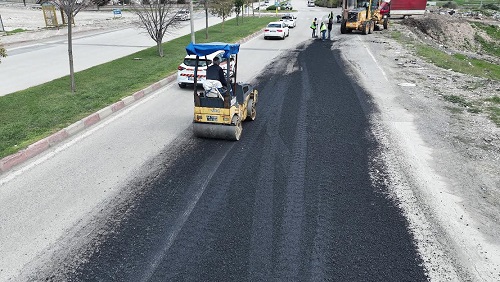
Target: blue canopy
{"x": 204, "y": 49}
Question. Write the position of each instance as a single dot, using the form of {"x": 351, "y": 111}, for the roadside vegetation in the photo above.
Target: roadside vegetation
{"x": 17, "y": 30}
{"x": 35, "y": 113}
{"x": 3, "y": 52}
{"x": 492, "y": 46}
{"x": 459, "y": 63}
{"x": 463, "y": 64}
{"x": 468, "y": 4}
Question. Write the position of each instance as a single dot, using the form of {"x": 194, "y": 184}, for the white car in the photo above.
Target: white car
{"x": 183, "y": 15}
{"x": 185, "y": 71}
{"x": 276, "y": 29}
{"x": 289, "y": 20}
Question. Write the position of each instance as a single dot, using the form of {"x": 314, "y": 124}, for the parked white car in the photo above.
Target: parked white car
{"x": 289, "y": 20}
{"x": 185, "y": 71}
{"x": 276, "y": 29}
{"x": 183, "y": 15}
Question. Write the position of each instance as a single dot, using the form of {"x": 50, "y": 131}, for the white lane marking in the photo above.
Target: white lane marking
{"x": 373, "y": 58}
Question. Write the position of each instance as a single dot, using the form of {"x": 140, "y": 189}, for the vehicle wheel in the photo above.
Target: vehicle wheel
{"x": 386, "y": 23}
{"x": 283, "y": 38}
{"x": 251, "y": 110}
{"x": 365, "y": 28}
{"x": 182, "y": 85}
{"x": 372, "y": 27}
{"x": 343, "y": 28}
{"x": 236, "y": 123}
{"x": 406, "y": 16}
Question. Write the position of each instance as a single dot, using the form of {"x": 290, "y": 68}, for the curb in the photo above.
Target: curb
{"x": 38, "y": 147}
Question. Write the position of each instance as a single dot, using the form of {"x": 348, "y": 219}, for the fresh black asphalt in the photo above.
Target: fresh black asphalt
{"x": 293, "y": 200}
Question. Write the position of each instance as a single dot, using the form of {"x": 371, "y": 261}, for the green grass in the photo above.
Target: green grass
{"x": 468, "y": 3}
{"x": 17, "y": 30}
{"x": 32, "y": 114}
{"x": 494, "y": 109}
{"x": 490, "y": 47}
{"x": 457, "y": 100}
{"x": 492, "y": 30}
{"x": 489, "y": 105}
{"x": 459, "y": 63}
{"x": 460, "y": 101}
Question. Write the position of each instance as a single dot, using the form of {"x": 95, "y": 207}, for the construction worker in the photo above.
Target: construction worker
{"x": 215, "y": 72}
{"x": 330, "y": 26}
{"x": 322, "y": 29}
{"x": 330, "y": 16}
{"x": 313, "y": 27}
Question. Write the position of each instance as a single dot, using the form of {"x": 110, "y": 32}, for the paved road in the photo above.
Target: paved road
{"x": 292, "y": 201}
{"x": 44, "y": 200}
{"x": 138, "y": 188}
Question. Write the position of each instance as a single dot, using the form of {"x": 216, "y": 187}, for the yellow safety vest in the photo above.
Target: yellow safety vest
{"x": 323, "y": 27}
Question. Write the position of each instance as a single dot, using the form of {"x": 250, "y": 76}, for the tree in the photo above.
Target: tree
{"x": 100, "y": 3}
{"x": 205, "y": 8}
{"x": 3, "y": 52}
{"x": 156, "y": 17}
{"x": 238, "y": 4}
{"x": 221, "y": 9}
{"x": 70, "y": 8}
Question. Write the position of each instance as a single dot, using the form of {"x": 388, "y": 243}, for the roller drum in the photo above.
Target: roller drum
{"x": 217, "y": 131}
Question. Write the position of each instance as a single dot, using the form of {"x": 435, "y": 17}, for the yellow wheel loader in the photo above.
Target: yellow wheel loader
{"x": 219, "y": 112}
{"x": 364, "y": 17}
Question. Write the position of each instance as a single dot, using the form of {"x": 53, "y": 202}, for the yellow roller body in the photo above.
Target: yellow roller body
{"x": 214, "y": 115}
{"x": 218, "y": 123}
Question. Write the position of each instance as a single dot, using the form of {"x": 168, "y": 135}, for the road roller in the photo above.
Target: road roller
{"x": 219, "y": 111}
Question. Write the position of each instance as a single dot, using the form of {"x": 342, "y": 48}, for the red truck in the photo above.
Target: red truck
{"x": 406, "y": 8}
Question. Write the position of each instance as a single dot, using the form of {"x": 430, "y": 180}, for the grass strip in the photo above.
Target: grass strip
{"x": 459, "y": 63}
{"x": 17, "y": 30}
{"x": 494, "y": 109}
{"x": 35, "y": 113}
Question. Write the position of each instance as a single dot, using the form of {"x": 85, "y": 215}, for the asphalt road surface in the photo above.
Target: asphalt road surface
{"x": 293, "y": 200}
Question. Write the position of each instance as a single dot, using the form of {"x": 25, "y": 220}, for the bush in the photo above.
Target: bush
{"x": 101, "y": 3}
{"x": 328, "y": 3}
{"x": 491, "y": 6}
{"x": 450, "y": 5}
{"x": 271, "y": 8}
{"x": 3, "y": 52}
